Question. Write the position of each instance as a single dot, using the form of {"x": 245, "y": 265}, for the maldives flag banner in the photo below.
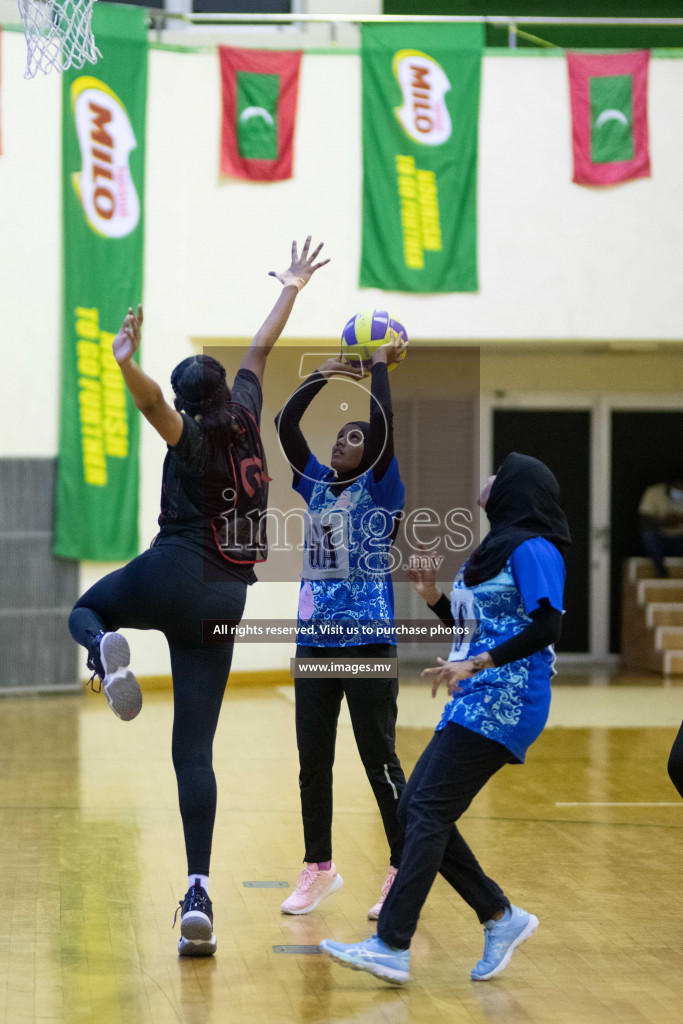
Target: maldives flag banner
{"x": 259, "y": 90}
{"x": 608, "y": 94}
{"x": 420, "y": 101}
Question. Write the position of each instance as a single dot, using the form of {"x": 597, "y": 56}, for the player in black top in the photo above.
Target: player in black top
{"x": 214, "y": 481}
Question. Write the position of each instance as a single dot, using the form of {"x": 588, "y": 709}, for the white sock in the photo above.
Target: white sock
{"x": 202, "y": 880}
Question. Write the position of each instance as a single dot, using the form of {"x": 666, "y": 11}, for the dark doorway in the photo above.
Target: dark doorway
{"x": 646, "y": 448}
{"x": 562, "y": 439}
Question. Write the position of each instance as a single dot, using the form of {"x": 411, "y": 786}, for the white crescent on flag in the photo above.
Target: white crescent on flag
{"x": 250, "y": 112}
{"x": 611, "y": 115}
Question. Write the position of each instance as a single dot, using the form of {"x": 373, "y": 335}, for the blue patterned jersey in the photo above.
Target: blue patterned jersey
{"x": 508, "y": 704}
{"x": 346, "y": 597}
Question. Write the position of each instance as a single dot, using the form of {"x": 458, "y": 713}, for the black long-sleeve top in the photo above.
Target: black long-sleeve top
{"x": 295, "y": 446}
{"x": 545, "y": 628}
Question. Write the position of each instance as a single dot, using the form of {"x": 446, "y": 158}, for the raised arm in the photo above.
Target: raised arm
{"x": 299, "y": 272}
{"x": 424, "y": 581}
{"x": 381, "y": 442}
{"x": 287, "y": 421}
{"x": 147, "y": 394}
{"x": 294, "y": 444}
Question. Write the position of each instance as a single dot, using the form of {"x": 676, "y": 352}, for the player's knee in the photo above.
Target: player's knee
{"x": 185, "y": 760}
{"x": 315, "y": 756}
{"x": 314, "y": 767}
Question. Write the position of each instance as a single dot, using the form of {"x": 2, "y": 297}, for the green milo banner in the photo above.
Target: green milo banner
{"x": 420, "y": 126}
{"x": 103, "y": 164}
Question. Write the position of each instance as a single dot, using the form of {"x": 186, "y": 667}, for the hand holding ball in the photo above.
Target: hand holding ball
{"x": 365, "y": 332}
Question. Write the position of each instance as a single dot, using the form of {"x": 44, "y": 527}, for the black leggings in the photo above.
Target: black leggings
{"x": 372, "y": 706}
{"x": 455, "y": 766}
{"x": 676, "y": 762}
{"x": 163, "y": 589}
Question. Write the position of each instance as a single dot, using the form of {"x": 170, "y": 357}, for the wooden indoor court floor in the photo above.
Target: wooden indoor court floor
{"x": 588, "y": 835}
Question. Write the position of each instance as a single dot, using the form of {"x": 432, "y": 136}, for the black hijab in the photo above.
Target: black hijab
{"x": 523, "y": 503}
{"x": 342, "y": 480}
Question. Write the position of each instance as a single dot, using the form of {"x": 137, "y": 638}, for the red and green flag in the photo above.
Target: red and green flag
{"x": 608, "y": 94}
{"x": 259, "y": 91}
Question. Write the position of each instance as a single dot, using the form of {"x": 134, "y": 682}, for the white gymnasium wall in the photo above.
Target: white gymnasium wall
{"x": 557, "y": 261}
{"x": 30, "y": 257}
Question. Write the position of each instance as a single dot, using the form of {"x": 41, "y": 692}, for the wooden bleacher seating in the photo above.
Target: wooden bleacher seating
{"x": 652, "y": 617}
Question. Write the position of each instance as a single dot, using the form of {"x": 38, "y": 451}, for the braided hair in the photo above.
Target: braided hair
{"x": 201, "y": 389}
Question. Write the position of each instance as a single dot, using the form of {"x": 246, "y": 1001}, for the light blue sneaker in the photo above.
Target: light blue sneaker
{"x": 373, "y": 956}
{"x": 501, "y": 938}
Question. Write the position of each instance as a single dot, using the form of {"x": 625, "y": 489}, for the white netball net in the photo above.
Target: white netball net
{"x": 58, "y": 35}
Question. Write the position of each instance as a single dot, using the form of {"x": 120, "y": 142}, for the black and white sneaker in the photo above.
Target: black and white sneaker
{"x": 109, "y": 659}
{"x": 196, "y": 923}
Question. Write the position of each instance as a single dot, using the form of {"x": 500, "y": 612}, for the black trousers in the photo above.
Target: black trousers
{"x": 163, "y": 589}
{"x": 675, "y": 765}
{"x": 372, "y": 706}
{"x": 451, "y": 771}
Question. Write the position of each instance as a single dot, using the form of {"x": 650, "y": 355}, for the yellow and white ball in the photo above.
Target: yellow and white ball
{"x": 366, "y": 331}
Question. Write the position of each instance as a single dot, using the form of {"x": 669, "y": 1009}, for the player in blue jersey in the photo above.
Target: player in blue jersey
{"x": 511, "y": 588}
{"x": 346, "y": 608}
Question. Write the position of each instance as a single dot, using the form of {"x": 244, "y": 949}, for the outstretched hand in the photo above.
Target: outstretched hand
{"x": 449, "y": 672}
{"x": 391, "y": 351}
{"x": 302, "y": 268}
{"x": 127, "y": 341}
{"x": 422, "y": 574}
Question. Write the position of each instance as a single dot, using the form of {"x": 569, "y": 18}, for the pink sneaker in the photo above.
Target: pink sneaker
{"x": 313, "y": 886}
{"x": 373, "y": 912}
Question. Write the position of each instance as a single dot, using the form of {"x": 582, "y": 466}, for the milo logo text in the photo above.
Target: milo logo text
{"x": 105, "y": 136}
{"x": 424, "y": 84}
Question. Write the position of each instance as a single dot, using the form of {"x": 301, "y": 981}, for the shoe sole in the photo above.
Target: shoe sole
{"x": 114, "y": 653}
{"x": 387, "y": 974}
{"x": 123, "y": 694}
{"x": 337, "y": 884}
{"x": 121, "y": 688}
{"x": 196, "y": 935}
{"x": 197, "y": 947}
{"x": 531, "y": 927}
